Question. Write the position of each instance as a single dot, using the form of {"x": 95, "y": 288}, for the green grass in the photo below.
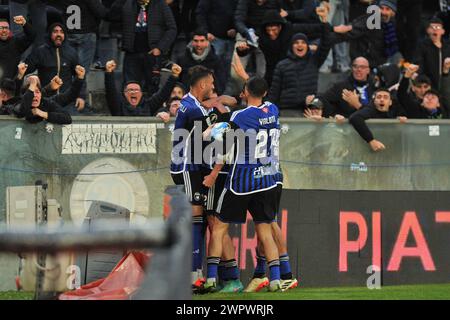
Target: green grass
{"x": 416, "y": 292}
{"x": 14, "y": 295}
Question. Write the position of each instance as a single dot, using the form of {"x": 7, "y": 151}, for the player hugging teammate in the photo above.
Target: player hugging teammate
{"x": 247, "y": 140}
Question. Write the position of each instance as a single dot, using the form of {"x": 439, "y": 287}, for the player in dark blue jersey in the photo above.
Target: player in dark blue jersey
{"x": 187, "y": 156}
{"x": 251, "y": 183}
{"x": 197, "y": 111}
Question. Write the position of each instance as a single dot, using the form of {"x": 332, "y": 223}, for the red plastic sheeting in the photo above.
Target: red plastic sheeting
{"x": 120, "y": 284}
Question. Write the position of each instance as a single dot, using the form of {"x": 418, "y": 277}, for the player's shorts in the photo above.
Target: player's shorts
{"x": 193, "y": 184}
{"x": 279, "y": 190}
{"x": 233, "y": 208}
{"x": 213, "y": 194}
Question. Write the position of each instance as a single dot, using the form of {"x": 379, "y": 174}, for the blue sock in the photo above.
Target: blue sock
{"x": 231, "y": 269}
{"x": 274, "y": 270}
{"x": 213, "y": 265}
{"x": 260, "y": 270}
{"x": 222, "y": 271}
{"x": 197, "y": 244}
{"x": 285, "y": 267}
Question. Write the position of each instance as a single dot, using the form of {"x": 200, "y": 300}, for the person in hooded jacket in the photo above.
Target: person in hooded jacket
{"x": 200, "y": 52}
{"x": 276, "y": 34}
{"x": 296, "y": 77}
{"x": 55, "y": 58}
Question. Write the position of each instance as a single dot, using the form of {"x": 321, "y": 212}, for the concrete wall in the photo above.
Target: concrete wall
{"x": 126, "y": 160}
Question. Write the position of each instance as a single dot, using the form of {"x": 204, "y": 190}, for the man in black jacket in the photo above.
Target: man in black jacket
{"x": 216, "y": 18}
{"x": 276, "y": 34}
{"x": 55, "y": 58}
{"x": 296, "y": 77}
{"x": 36, "y": 108}
{"x": 12, "y": 47}
{"x": 83, "y": 36}
{"x": 381, "y": 107}
{"x": 432, "y": 53}
{"x": 133, "y": 103}
{"x": 149, "y": 30}
{"x": 346, "y": 97}
{"x": 200, "y": 52}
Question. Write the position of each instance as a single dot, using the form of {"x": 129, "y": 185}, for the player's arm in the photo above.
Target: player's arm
{"x": 210, "y": 179}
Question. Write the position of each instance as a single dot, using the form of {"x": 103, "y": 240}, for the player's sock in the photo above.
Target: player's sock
{"x": 197, "y": 231}
{"x": 274, "y": 270}
{"x": 213, "y": 265}
{"x": 260, "y": 270}
{"x": 285, "y": 267}
{"x": 232, "y": 270}
{"x": 221, "y": 271}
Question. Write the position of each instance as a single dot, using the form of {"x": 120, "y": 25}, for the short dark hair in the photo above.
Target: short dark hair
{"x": 433, "y": 92}
{"x": 131, "y": 82}
{"x": 421, "y": 79}
{"x": 199, "y": 32}
{"x": 257, "y": 87}
{"x": 169, "y": 102}
{"x": 382, "y": 90}
{"x": 4, "y": 20}
{"x": 181, "y": 86}
{"x": 197, "y": 73}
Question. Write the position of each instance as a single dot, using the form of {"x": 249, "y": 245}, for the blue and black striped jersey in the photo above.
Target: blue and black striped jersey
{"x": 188, "y": 145}
{"x": 254, "y": 168}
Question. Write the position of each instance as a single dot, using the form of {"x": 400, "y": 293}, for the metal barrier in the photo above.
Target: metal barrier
{"x": 168, "y": 273}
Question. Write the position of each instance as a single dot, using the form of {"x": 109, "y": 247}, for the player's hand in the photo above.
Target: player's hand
{"x": 210, "y": 180}
{"x": 155, "y": 52}
{"x": 80, "y": 104}
{"x": 80, "y": 71}
{"x": 377, "y": 145}
{"x": 164, "y": 116}
{"x": 20, "y": 20}
{"x": 21, "y": 70}
{"x": 176, "y": 70}
{"x": 56, "y": 83}
{"x": 283, "y": 13}
{"x": 110, "y": 66}
{"x": 227, "y": 100}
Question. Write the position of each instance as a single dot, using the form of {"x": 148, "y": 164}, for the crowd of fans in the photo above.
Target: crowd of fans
{"x": 289, "y": 42}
